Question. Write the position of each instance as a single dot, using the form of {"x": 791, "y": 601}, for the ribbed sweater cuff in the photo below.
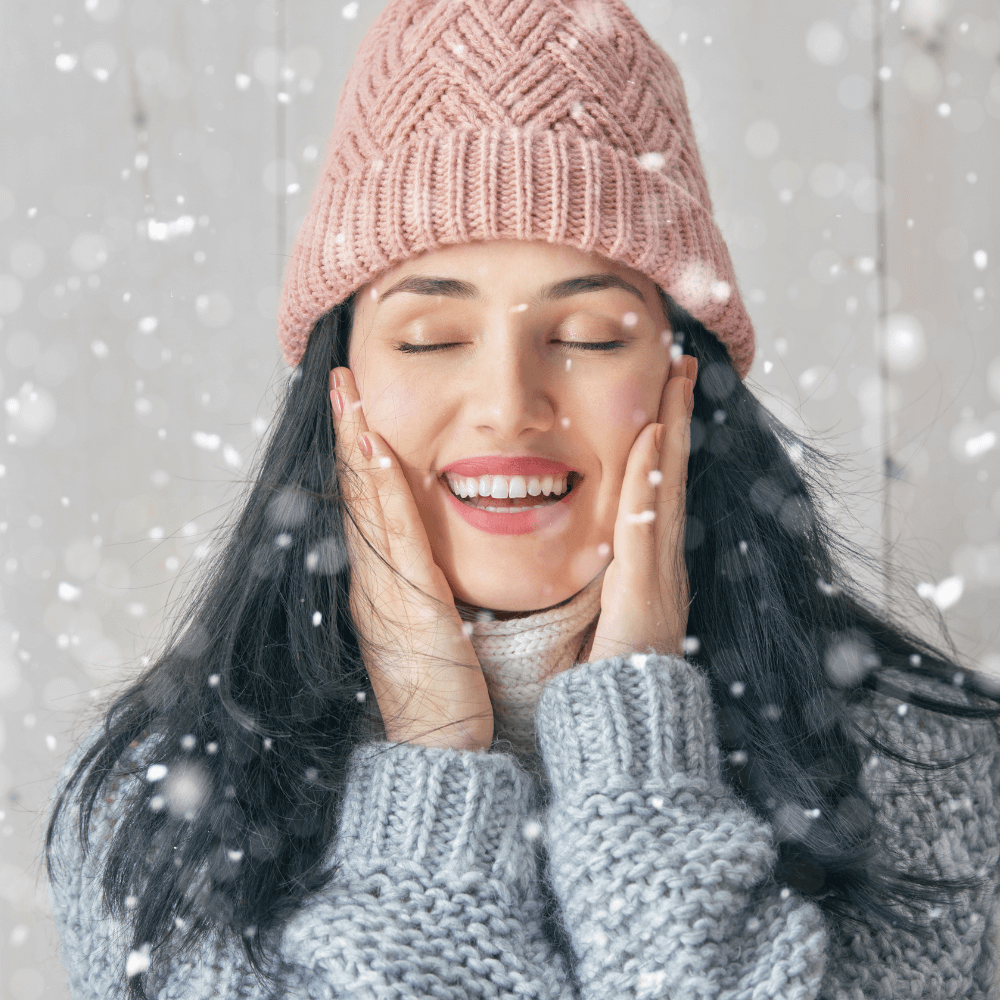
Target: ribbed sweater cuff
{"x": 445, "y": 809}
{"x": 644, "y": 722}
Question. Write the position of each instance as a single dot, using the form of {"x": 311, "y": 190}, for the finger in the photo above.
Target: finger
{"x": 348, "y": 414}
{"x": 409, "y": 545}
{"x": 635, "y": 527}
{"x": 671, "y": 502}
{"x": 357, "y": 484}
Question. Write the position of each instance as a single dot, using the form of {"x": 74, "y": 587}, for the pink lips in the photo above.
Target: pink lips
{"x": 500, "y": 465}
{"x": 521, "y": 522}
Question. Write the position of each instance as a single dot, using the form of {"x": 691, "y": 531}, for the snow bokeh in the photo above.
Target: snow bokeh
{"x": 160, "y": 156}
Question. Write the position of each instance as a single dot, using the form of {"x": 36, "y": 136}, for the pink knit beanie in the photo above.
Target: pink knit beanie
{"x": 468, "y": 120}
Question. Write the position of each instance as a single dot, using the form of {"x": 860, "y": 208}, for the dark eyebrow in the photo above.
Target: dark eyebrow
{"x": 422, "y": 285}
{"x": 588, "y": 283}
{"x": 419, "y": 285}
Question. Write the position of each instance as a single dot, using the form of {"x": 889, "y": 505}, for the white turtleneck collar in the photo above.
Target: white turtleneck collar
{"x": 520, "y": 655}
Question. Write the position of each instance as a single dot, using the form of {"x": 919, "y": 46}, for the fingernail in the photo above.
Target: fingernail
{"x": 365, "y": 445}
{"x": 338, "y": 379}
{"x": 689, "y": 396}
{"x": 658, "y": 437}
{"x": 338, "y": 403}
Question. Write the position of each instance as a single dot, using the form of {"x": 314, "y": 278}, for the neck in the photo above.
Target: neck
{"x": 473, "y": 612}
{"x": 520, "y": 651}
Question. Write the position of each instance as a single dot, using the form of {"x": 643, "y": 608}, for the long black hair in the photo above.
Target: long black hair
{"x": 259, "y": 696}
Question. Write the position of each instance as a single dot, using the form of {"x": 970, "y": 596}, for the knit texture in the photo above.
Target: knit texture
{"x": 472, "y": 120}
{"x": 519, "y": 656}
{"x": 663, "y": 878}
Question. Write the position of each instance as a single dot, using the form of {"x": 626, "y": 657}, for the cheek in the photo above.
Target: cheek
{"x": 630, "y": 406}
{"x": 395, "y": 409}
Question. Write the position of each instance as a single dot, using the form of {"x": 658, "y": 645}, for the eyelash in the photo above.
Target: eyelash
{"x": 599, "y": 345}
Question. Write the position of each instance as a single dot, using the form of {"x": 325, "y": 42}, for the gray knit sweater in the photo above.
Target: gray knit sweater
{"x": 662, "y": 879}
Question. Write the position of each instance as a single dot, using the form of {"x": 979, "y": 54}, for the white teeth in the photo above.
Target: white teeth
{"x": 503, "y": 487}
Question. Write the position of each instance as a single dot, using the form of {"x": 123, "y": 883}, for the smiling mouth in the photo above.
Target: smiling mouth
{"x": 507, "y": 505}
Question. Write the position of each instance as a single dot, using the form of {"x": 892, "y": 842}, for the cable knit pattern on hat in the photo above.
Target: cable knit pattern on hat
{"x": 663, "y": 879}
{"x": 470, "y": 120}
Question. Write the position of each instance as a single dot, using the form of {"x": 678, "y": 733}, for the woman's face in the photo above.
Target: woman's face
{"x": 511, "y": 365}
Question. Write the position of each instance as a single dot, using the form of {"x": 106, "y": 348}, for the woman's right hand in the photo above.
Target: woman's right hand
{"x": 424, "y": 671}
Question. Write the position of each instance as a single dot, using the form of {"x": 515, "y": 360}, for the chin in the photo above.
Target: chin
{"x": 524, "y": 596}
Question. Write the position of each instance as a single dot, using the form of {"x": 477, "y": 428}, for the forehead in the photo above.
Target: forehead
{"x": 504, "y": 268}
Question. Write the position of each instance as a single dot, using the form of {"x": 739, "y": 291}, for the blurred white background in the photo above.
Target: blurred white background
{"x": 156, "y": 157}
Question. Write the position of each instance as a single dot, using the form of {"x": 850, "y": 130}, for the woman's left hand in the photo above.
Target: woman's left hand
{"x": 644, "y": 598}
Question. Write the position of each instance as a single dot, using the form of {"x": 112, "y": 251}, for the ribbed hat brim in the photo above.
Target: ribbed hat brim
{"x": 470, "y": 185}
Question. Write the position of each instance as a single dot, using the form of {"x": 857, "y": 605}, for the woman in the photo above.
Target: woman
{"x": 367, "y": 765}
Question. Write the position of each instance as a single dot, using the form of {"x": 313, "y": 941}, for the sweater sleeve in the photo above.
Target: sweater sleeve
{"x": 436, "y": 892}
{"x": 662, "y": 875}
{"x": 93, "y": 945}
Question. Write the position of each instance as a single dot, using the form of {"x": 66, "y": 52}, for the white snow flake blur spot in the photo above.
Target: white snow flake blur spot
{"x": 317, "y": 617}
{"x": 531, "y": 830}
{"x": 360, "y": 696}
{"x": 161, "y": 232}
{"x": 643, "y": 517}
{"x": 99, "y": 348}
{"x": 188, "y": 742}
{"x": 737, "y": 688}
{"x": 283, "y": 541}
{"x": 945, "y": 594}
{"x": 243, "y": 81}
{"x": 902, "y": 709}
{"x": 186, "y": 790}
{"x": 638, "y": 660}
{"x": 206, "y": 441}
{"x": 234, "y": 855}
{"x": 385, "y": 461}
{"x": 213, "y": 680}
{"x": 157, "y": 772}
{"x": 738, "y": 758}
{"x": 691, "y": 645}
{"x": 564, "y": 422}
{"x": 603, "y": 550}
{"x": 721, "y": 291}
{"x": 848, "y": 658}
{"x": 350, "y": 11}
{"x": 629, "y": 320}
{"x": 655, "y": 477}
{"x": 67, "y": 592}
{"x": 652, "y": 161}
{"x": 944, "y": 109}
{"x": 66, "y": 62}
{"x": 211, "y": 748}
{"x": 826, "y": 44}
{"x": 981, "y": 258}
{"x": 137, "y": 961}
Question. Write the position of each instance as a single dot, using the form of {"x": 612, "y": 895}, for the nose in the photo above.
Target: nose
{"x": 508, "y": 395}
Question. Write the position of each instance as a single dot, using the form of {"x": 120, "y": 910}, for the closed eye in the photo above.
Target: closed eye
{"x": 583, "y": 345}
